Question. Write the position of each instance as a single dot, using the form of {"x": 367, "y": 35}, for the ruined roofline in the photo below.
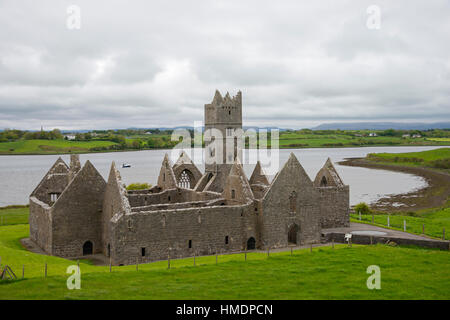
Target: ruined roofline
{"x": 116, "y": 178}
{"x": 328, "y": 168}
{"x": 292, "y": 160}
{"x": 40, "y": 203}
{"x": 58, "y": 161}
{"x": 182, "y": 210}
{"x": 87, "y": 165}
{"x": 218, "y": 100}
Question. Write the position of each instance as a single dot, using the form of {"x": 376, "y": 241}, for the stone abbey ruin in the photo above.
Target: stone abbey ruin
{"x": 75, "y": 212}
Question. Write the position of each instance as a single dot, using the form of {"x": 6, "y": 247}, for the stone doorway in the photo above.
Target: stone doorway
{"x": 292, "y": 234}
{"x": 251, "y": 244}
{"x": 88, "y": 248}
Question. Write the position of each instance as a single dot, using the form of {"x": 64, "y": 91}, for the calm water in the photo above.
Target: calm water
{"x": 19, "y": 175}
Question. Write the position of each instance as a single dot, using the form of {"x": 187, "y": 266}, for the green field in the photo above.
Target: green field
{"x": 50, "y": 146}
{"x": 435, "y": 221}
{"x": 326, "y": 273}
{"x": 438, "y": 158}
{"x": 137, "y": 140}
{"x": 14, "y": 215}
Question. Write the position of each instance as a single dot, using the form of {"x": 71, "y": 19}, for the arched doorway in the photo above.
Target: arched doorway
{"x": 292, "y": 234}
{"x": 87, "y": 248}
{"x": 185, "y": 179}
{"x": 251, "y": 244}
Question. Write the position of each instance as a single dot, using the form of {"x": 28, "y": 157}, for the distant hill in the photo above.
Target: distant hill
{"x": 382, "y": 126}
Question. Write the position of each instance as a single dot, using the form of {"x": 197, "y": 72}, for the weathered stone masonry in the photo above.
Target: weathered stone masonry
{"x": 74, "y": 212}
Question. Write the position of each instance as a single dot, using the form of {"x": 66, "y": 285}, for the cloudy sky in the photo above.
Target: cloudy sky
{"x": 156, "y": 63}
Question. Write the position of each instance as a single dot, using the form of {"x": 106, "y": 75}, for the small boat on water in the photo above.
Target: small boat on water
{"x": 126, "y": 165}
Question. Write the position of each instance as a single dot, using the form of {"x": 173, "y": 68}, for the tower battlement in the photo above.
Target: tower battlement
{"x": 224, "y": 110}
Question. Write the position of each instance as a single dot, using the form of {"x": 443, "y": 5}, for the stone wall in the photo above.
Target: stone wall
{"x": 77, "y": 214}
{"x": 334, "y": 207}
{"x": 115, "y": 202}
{"x": 40, "y": 224}
{"x": 290, "y": 202}
{"x": 170, "y": 196}
{"x": 157, "y": 231}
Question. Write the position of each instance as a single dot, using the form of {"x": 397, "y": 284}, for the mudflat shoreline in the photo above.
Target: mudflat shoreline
{"x": 435, "y": 194}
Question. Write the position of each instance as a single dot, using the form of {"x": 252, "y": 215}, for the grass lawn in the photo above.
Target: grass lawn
{"x": 14, "y": 215}
{"x": 436, "y": 158}
{"x": 50, "y": 146}
{"x": 326, "y": 273}
{"x": 314, "y": 140}
{"x": 434, "y": 220}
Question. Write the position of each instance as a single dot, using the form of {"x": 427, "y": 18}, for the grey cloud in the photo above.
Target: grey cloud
{"x": 157, "y": 63}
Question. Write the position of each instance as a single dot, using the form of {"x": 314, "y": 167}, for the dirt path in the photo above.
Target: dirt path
{"x": 434, "y": 195}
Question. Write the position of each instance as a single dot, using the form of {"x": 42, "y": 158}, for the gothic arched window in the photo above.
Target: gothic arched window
{"x": 185, "y": 181}
{"x": 323, "y": 182}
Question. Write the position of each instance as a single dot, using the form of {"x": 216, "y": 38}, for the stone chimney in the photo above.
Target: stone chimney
{"x": 75, "y": 166}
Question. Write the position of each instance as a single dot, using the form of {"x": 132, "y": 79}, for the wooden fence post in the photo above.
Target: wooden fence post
{"x": 373, "y": 218}
{"x": 291, "y": 251}
{"x": 388, "y": 222}
{"x": 371, "y": 240}
{"x": 45, "y": 273}
{"x": 268, "y": 251}
{"x": 168, "y": 260}
{"x": 137, "y": 264}
{"x": 423, "y": 228}
{"x": 216, "y": 256}
{"x": 110, "y": 268}
{"x": 359, "y": 215}
{"x": 443, "y": 233}
{"x": 194, "y": 258}
{"x": 332, "y": 243}
{"x": 404, "y": 225}
{"x": 245, "y": 254}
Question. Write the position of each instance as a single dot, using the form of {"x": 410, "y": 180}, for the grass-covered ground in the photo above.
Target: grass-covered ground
{"x": 435, "y": 220}
{"x": 14, "y": 215}
{"x": 50, "y": 146}
{"x": 326, "y": 273}
{"x": 287, "y": 139}
{"x": 438, "y": 158}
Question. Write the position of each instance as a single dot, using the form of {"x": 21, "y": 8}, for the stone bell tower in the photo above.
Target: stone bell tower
{"x": 224, "y": 116}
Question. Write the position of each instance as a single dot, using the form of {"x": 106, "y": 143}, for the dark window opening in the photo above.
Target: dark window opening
{"x": 251, "y": 243}
{"x": 168, "y": 198}
{"x": 190, "y": 244}
{"x": 226, "y": 239}
{"x": 87, "y": 248}
{"x": 109, "y": 250}
{"x": 292, "y": 234}
{"x": 323, "y": 182}
{"x": 143, "y": 252}
{"x": 233, "y": 194}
